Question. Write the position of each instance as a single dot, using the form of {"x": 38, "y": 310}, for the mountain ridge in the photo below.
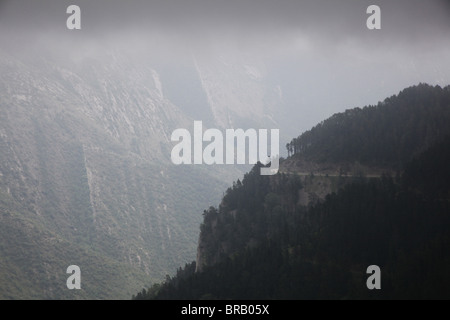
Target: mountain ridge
{"x": 264, "y": 242}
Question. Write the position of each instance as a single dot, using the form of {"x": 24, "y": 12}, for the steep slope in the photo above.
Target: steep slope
{"x": 264, "y": 243}
{"x": 323, "y": 252}
{"x": 34, "y": 260}
{"x": 230, "y": 104}
{"x": 85, "y": 158}
{"x": 85, "y": 152}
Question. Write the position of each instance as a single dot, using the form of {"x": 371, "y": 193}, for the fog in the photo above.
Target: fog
{"x": 319, "y": 52}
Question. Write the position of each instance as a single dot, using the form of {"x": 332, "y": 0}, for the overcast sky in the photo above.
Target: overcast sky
{"x": 321, "y": 46}
{"x": 329, "y": 20}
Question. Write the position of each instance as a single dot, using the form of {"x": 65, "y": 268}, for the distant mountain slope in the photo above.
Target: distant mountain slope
{"x": 34, "y": 259}
{"x": 264, "y": 243}
{"x": 85, "y": 159}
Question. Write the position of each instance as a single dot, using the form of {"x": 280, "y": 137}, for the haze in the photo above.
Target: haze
{"x": 319, "y": 54}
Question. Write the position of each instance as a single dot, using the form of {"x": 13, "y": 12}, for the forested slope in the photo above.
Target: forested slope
{"x": 263, "y": 243}
{"x": 389, "y": 134}
{"x": 292, "y": 252}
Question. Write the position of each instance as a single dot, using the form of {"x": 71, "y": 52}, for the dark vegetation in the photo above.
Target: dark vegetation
{"x": 389, "y": 134}
{"x": 262, "y": 244}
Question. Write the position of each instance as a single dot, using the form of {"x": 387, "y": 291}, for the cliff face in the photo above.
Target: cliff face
{"x": 85, "y": 175}
{"x": 85, "y": 157}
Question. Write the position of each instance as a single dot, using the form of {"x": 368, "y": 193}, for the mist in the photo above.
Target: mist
{"x": 319, "y": 54}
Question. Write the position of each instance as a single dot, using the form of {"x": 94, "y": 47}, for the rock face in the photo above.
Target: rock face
{"x": 86, "y": 176}
{"x": 85, "y": 171}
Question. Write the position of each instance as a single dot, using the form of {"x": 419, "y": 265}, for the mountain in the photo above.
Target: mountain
{"x": 264, "y": 242}
{"x": 386, "y": 135}
{"x": 85, "y": 172}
